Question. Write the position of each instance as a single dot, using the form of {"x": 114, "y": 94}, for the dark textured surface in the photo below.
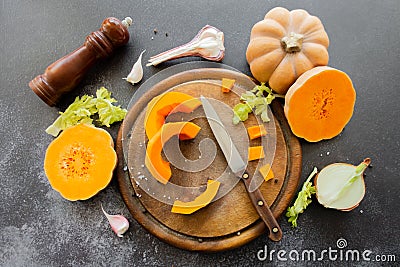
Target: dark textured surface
{"x": 39, "y": 228}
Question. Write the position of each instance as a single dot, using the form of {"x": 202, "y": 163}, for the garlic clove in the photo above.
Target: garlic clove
{"x": 136, "y": 73}
{"x": 119, "y": 224}
{"x": 127, "y": 21}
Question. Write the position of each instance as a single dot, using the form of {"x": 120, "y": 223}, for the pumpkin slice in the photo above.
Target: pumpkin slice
{"x": 256, "y": 131}
{"x": 157, "y": 166}
{"x": 80, "y": 161}
{"x": 320, "y": 103}
{"x": 227, "y": 85}
{"x": 255, "y": 152}
{"x": 161, "y": 106}
{"x": 266, "y": 172}
{"x": 200, "y": 202}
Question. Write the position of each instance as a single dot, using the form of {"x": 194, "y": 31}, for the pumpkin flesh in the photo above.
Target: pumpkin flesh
{"x": 320, "y": 103}
{"x": 266, "y": 172}
{"x": 226, "y": 85}
{"x": 200, "y": 202}
{"x": 161, "y": 106}
{"x": 255, "y": 153}
{"x": 157, "y": 166}
{"x": 80, "y": 162}
{"x": 256, "y": 131}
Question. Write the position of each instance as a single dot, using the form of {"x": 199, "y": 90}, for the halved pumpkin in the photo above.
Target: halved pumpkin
{"x": 161, "y": 106}
{"x": 157, "y": 166}
{"x": 320, "y": 103}
{"x": 200, "y": 202}
{"x": 80, "y": 161}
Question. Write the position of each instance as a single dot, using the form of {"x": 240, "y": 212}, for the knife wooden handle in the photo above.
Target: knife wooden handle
{"x": 263, "y": 210}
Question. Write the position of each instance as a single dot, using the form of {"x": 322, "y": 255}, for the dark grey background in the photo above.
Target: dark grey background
{"x": 39, "y": 228}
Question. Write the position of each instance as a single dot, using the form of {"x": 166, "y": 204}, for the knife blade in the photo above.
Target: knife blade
{"x": 238, "y": 167}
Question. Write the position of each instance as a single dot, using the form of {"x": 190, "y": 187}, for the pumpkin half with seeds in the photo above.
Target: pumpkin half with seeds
{"x": 80, "y": 161}
{"x": 320, "y": 103}
{"x": 284, "y": 45}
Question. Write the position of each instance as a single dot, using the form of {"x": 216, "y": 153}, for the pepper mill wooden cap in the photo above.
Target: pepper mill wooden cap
{"x": 63, "y": 75}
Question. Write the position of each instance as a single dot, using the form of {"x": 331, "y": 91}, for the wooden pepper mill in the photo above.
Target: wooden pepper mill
{"x": 64, "y": 74}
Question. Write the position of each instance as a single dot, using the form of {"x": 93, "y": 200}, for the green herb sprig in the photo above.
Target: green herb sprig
{"x": 256, "y": 100}
{"x": 82, "y": 109}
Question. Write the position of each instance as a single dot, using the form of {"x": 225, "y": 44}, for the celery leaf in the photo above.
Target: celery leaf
{"x": 108, "y": 113}
{"x": 302, "y": 201}
{"x": 256, "y": 99}
{"x": 82, "y": 110}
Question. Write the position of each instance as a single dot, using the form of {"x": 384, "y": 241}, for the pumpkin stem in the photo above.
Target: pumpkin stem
{"x": 292, "y": 43}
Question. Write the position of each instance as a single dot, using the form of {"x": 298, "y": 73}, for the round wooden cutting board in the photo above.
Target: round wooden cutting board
{"x": 230, "y": 220}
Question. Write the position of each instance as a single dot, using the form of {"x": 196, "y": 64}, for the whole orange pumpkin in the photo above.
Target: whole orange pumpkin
{"x": 284, "y": 45}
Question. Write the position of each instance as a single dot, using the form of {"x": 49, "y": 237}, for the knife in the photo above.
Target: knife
{"x": 238, "y": 167}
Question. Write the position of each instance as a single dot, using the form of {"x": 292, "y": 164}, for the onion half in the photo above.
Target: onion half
{"x": 341, "y": 186}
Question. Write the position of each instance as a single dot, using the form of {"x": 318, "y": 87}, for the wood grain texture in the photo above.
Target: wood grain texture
{"x": 231, "y": 220}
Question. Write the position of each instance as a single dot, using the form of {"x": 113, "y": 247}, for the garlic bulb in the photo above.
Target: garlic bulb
{"x": 208, "y": 43}
{"x": 136, "y": 73}
{"x": 119, "y": 224}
